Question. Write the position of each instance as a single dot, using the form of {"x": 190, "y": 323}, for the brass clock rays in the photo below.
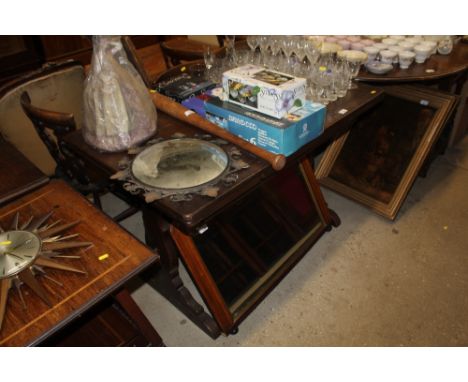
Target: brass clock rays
{"x": 27, "y": 249}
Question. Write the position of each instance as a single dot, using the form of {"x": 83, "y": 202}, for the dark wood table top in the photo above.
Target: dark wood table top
{"x": 18, "y": 175}
{"x": 188, "y": 216}
{"x": 126, "y": 256}
{"x": 436, "y": 67}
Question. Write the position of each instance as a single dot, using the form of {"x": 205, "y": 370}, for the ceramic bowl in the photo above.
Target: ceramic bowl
{"x": 376, "y": 38}
{"x": 372, "y": 52}
{"x": 353, "y": 39}
{"x": 422, "y": 53}
{"x": 381, "y": 46}
{"x": 415, "y": 40}
{"x": 345, "y": 44}
{"x": 390, "y": 41}
{"x": 397, "y": 49}
{"x": 331, "y": 39}
{"x": 407, "y": 45}
{"x": 432, "y": 45}
{"x": 330, "y": 47}
{"x": 393, "y": 47}
{"x": 387, "y": 56}
{"x": 353, "y": 55}
{"x": 357, "y": 46}
{"x": 406, "y": 58}
{"x": 367, "y": 42}
{"x": 433, "y": 38}
{"x": 376, "y": 67}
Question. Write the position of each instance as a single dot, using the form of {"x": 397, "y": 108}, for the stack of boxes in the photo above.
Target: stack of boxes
{"x": 266, "y": 108}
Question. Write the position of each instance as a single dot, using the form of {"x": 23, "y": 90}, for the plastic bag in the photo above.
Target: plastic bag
{"x": 118, "y": 110}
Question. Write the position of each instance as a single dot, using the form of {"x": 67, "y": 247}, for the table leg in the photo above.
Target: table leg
{"x": 131, "y": 308}
{"x": 166, "y": 279}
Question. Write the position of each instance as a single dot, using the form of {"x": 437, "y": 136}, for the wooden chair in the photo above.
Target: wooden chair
{"x": 132, "y": 56}
{"x": 174, "y": 70}
{"x": 56, "y": 86}
{"x": 182, "y": 49}
{"x": 151, "y": 83}
{"x": 52, "y": 126}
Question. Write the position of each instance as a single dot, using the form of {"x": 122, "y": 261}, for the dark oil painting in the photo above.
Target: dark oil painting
{"x": 380, "y": 147}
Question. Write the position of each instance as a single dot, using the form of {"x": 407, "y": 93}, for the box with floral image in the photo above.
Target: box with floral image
{"x": 266, "y": 91}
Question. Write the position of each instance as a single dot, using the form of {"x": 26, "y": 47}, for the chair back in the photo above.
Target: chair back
{"x": 52, "y": 126}
{"x": 182, "y": 49}
{"x": 54, "y": 87}
{"x": 132, "y": 56}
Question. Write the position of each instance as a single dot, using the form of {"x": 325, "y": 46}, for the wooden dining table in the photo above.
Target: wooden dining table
{"x": 447, "y": 73}
{"x": 436, "y": 67}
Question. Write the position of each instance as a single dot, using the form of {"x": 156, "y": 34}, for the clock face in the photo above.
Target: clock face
{"x": 18, "y": 249}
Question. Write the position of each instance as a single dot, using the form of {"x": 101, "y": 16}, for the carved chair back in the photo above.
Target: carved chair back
{"x": 52, "y": 126}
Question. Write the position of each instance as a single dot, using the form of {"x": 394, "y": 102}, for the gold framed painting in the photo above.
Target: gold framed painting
{"x": 377, "y": 161}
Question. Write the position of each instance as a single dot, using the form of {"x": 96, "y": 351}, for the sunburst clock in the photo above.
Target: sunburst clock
{"x": 26, "y": 249}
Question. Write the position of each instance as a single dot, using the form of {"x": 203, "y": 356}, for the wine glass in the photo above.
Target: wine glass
{"x": 263, "y": 42}
{"x": 275, "y": 47}
{"x": 311, "y": 51}
{"x": 287, "y": 45}
{"x": 252, "y": 42}
{"x": 300, "y": 52}
{"x": 208, "y": 56}
{"x": 354, "y": 59}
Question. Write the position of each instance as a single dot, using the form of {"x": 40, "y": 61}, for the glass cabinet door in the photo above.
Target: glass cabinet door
{"x": 246, "y": 246}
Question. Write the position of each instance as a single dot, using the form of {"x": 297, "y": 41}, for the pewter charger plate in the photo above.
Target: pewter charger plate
{"x": 180, "y": 164}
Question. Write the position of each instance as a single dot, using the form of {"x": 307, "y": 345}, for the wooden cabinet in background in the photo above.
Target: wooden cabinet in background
{"x": 61, "y": 47}
{"x": 19, "y": 54}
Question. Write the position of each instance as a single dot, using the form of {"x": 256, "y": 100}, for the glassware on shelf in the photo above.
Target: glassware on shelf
{"x": 300, "y": 52}
{"x": 287, "y": 45}
{"x": 263, "y": 43}
{"x": 208, "y": 56}
{"x": 231, "y": 56}
{"x": 355, "y": 59}
{"x": 252, "y": 42}
{"x": 275, "y": 47}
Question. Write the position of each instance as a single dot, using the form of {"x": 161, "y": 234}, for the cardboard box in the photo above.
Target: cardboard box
{"x": 266, "y": 91}
{"x": 184, "y": 86}
{"x": 279, "y": 136}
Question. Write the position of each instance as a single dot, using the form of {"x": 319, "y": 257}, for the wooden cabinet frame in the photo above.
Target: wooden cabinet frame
{"x": 228, "y": 318}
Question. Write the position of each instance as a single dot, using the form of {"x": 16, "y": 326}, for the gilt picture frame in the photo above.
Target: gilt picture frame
{"x": 378, "y": 160}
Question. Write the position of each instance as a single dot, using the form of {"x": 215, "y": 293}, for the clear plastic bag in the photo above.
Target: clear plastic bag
{"x": 118, "y": 110}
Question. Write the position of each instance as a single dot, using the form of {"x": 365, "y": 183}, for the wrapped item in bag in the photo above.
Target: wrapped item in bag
{"x": 118, "y": 110}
